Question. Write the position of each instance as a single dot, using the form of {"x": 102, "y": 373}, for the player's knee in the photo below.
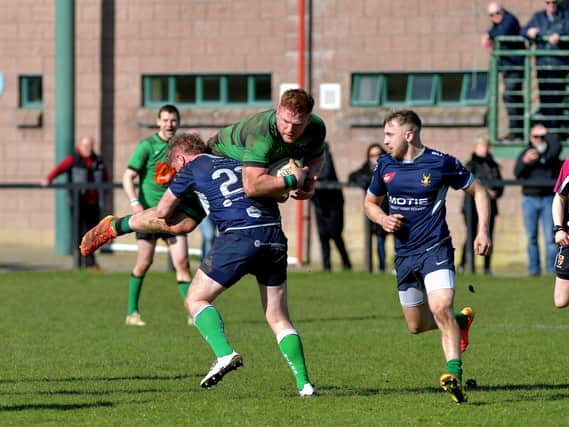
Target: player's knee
{"x": 561, "y": 302}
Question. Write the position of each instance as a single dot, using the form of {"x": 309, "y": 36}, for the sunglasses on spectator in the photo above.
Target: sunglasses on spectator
{"x": 537, "y": 136}
{"x": 497, "y": 13}
{"x": 550, "y": 1}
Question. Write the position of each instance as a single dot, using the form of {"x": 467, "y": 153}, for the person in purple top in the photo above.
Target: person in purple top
{"x": 415, "y": 179}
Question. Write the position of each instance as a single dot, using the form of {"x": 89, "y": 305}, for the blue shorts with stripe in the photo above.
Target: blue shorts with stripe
{"x": 260, "y": 251}
{"x": 411, "y": 270}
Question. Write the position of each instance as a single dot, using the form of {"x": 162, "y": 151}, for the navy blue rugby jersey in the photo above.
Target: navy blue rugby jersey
{"x": 217, "y": 182}
{"x": 417, "y": 190}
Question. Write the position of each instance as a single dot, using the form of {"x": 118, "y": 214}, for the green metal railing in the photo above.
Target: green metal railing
{"x": 529, "y": 91}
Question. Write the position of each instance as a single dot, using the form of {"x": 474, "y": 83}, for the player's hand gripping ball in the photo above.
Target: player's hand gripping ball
{"x": 282, "y": 167}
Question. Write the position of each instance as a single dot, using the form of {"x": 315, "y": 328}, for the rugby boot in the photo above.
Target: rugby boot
{"x": 222, "y": 366}
{"x": 469, "y": 314}
{"x": 97, "y": 236}
{"x": 453, "y": 386}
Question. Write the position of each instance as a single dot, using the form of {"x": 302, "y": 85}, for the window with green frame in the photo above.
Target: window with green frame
{"x": 31, "y": 92}
{"x": 207, "y": 90}
{"x": 420, "y": 89}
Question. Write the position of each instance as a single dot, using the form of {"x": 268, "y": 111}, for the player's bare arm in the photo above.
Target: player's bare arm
{"x": 557, "y": 210}
{"x": 372, "y": 207}
{"x": 167, "y": 205}
{"x": 128, "y": 179}
{"x": 258, "y": 183}
{"x": 482, "y": 242}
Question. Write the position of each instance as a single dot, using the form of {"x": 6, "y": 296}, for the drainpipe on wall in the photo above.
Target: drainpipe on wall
{"x": 64, "y": 114}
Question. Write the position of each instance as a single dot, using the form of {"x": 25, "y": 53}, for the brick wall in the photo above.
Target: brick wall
{"x": 207, "y": 36}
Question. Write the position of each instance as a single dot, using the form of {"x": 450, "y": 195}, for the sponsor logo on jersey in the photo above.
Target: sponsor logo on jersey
{"x": 388, "y": 177}
{"x": 408, "y": 201}
{"x": 426, "y": 180}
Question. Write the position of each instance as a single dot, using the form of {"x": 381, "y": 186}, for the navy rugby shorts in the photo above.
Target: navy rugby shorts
{"x": 260, "y": 251}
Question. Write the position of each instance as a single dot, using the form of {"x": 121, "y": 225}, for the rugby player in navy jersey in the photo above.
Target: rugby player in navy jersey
{"x": 415, "y": 179}
{"x": 250, "y": 241}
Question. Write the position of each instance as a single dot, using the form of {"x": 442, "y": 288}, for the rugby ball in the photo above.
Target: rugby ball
{"x": 282, "y": 167}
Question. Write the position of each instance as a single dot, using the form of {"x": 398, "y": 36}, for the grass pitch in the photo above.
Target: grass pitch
{"x": 68, "y": 359}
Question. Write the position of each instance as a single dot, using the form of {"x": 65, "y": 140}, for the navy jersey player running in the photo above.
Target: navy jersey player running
{"x": 251, "y": 240}
{"x": 416, "y": 179}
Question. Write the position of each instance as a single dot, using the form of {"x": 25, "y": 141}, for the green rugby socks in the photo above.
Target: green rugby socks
{"x": 210, "y": 325}
{"x": 121, "y": 225}
{"x": 454, "y": 366}
{"x": 134, "y": 288}
{"x": 290, "y": 345}
{"x": 183, "y": 288}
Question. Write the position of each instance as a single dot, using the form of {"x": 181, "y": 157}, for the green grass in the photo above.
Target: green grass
{"x": 67, "y": 359}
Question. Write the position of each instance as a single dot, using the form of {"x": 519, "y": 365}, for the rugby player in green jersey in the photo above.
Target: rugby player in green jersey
{"x": 149, "y": 165}
{"x": 289, "y": 131}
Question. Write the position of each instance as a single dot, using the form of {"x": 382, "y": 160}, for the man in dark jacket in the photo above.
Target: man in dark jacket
{"x": 545, "y": 29}
{"x": 329, "y": 209}
{"x": 485, "y": 168}
{"x": 539, "y": 163}
{"x": 511, "y": 67}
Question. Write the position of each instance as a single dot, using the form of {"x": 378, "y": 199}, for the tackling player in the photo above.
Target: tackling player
{"x": 415, "y": 179}
{"x": 250, "y": 240}
{"x": 560, "y": 214}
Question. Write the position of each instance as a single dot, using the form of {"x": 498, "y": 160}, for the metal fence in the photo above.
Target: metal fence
{"x": 532, "y": 93}
{"x": 75, "y": 189}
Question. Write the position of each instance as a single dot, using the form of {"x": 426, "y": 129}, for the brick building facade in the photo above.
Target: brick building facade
{"x": 119, "y": 42}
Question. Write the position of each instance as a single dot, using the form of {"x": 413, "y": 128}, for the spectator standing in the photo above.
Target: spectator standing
{"x": 505, "y": 23}
{"x": 84, "y": 166}
{"x": 539, "y": 161}
{"x": 329, "y": 209}
{"x": 362, "y": 178}
{"x": 545, "y": 29}
{"x": 484, "y": 167}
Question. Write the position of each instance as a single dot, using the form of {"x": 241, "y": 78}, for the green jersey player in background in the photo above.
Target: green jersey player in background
{"x": 149, "y": 165}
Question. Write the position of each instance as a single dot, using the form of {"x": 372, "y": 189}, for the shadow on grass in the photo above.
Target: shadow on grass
{"x": 81, "y": 379}
{"x": 19, "y": 266}
{"x": 349, "y": 391}
{"x": 55, "y": 406}
{"x": 326, "y": 319}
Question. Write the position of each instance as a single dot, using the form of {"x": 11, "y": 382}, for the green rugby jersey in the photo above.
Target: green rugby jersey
{"x": 256, "y": 141}
{"x": 149, "y": 161}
